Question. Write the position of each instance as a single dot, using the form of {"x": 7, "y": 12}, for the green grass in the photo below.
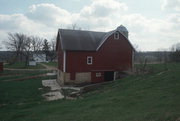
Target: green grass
{"x": 53, "y": 64}
{"x": 149, "y": 97}
{"x": 15, "y": 92}
{"x": 21, "y": 65}
{"x": 8, "y": 74}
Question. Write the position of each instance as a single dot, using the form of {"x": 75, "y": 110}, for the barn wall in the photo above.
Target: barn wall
{"x": 60, "y": 55}
{"x": 115, "y": 55}
{"x": 97, "y": 76}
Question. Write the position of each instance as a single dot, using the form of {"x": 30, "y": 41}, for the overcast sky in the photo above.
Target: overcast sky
{"x": 152, "y": 24}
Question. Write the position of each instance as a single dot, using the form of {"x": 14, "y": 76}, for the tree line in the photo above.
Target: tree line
{"x": 175, "y": 56}
{"x": 24, "y": 46}
{"x": 160, "y": 56}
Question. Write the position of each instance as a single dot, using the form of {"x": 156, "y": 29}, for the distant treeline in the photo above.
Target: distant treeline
{"x": 8, "y": 56}
{"x": 139, "y": 57}
{"x": 157, "y": 56}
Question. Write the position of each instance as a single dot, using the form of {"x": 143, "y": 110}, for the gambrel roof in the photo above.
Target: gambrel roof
{"x": 80, "y": 40}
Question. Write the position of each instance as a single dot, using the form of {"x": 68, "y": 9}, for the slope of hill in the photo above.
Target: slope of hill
{"x": 149, "y": 97}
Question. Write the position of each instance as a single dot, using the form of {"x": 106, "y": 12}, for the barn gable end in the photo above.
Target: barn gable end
{"x": 86, "y": 56}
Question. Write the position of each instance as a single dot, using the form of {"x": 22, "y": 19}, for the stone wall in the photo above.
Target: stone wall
{"x": 83, "y": 77}
{"x": 64, "y": 78}
{"x": 60, "y": 77}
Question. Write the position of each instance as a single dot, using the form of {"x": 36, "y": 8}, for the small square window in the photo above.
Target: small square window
{"x": 98, "y": 74}
{"x": 116, "y": 35}
{"x": 89, "y": 60}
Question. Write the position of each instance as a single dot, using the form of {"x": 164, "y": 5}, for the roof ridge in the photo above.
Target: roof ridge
{"x": 83, "y": 30}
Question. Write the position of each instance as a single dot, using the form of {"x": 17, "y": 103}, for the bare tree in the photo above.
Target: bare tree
{"x": 52, "y": 53}
{"x": 27, "y": 47}
{"x": 23, "y": 45}
{"x": 175, "y": 56}
{"x": 37, "y": 43}
{"x": 15, "y": 43}
{"x": 74, "y": 26}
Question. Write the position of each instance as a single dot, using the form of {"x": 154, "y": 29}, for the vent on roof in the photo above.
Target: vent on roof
{"x": 123, "y": 30}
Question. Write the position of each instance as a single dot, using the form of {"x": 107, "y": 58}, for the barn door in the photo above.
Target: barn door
{"x": 108, "y": 75}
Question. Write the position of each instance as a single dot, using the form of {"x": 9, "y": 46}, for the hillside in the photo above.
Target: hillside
{"x": 149, "y": 97}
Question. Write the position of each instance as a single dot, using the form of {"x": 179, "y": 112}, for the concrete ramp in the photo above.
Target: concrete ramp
{"x": 54, "y": 93}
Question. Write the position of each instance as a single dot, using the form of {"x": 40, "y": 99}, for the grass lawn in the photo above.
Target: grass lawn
{"x": 7, "y": 75}
{"x": 149, "y": 97}
{"x": 21, "y": 65}
{"x": 53, "y": 64}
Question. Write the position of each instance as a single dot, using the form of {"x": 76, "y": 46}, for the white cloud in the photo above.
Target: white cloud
{"x": 151, "y": 34}
{"x": 17, "y": 22}
{"x": 171, "y": 5}
{"x": 103, "y": 8}
{"x": 49, "y": 14}
{"x": 102, "y": 15}
{"x": 21, "y": 24}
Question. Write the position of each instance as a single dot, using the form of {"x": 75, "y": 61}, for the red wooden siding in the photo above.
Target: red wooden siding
{"x": 96, "y": 78}
{"x": 114, "y": 55}
{"x": 1, "y": 66}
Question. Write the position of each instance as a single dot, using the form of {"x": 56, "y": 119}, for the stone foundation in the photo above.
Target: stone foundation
{"x": 63, "y": 78}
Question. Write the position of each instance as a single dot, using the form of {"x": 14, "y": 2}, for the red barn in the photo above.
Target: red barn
{"x": 88, "y": 56}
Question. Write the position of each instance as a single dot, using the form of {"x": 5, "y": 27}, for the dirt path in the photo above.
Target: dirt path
{"x": 48, "y": 67}
{"x": 44, "y": 65}
{"x": 12, "y": 69}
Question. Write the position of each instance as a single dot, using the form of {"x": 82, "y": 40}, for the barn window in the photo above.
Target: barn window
{"x": 98, "y": 74}
{"x": 89, "y": 60}
{"x": 116, "y": 35}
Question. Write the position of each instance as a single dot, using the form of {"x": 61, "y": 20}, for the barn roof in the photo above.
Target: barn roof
{"x": 80, "y": 40}
{"x": 122, "y": 28}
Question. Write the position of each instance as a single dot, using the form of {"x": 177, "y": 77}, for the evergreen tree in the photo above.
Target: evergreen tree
{"x": 46, "y": 48}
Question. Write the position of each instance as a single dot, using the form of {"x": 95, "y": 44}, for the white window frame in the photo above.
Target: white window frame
{"x": 98, "y": 74}
{"x": 91, "y": 60}
{"x": 116, "y": 35}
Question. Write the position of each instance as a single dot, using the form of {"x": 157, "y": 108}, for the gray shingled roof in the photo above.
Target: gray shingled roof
{"x": 80, "y": 40}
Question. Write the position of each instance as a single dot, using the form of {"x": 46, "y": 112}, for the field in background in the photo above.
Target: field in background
{"x": 53, "y": 64}
{"x": 144, "y": 97}
{"x": 21, "y": 65}
{"x": 19, "y": 74}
